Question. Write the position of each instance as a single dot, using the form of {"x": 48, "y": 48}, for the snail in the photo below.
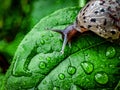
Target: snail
{"x": 99, "y": 16}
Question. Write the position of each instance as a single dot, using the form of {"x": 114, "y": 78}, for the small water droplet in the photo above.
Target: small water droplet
{"x": 42, "y": 42}
{"x": 48, "y": 58}
{"x": 42, "y": 35}
{"x": 46, "y": 39}
{"x": 110, "y": 53}
{"x": 44, "y": 82}
{"x": 101, "y": 78}
{"x": 61, "y": 76}
{"x": 42, "y": 65}
{"x": 87, "y": 67}
{"x": 56, "y": 88}
{"x": 71, "y": 70}
{"x": 51, "y": 35}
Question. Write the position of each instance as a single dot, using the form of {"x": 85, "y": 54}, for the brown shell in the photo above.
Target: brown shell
{"x": 101, "y": 17}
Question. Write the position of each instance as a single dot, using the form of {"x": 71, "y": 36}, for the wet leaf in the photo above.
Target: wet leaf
{"x": 38, "y": 63}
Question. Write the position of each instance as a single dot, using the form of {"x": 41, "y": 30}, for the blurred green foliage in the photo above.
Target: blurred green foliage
{"x": 17, "y": 17}
{"x": 13, "y": 14}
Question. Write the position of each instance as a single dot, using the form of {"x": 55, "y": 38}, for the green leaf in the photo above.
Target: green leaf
{"x": 1, "y": 78}
{"x": 38, "y": 63}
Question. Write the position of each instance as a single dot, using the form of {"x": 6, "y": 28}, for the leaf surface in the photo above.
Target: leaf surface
{"x": 91, "y": 62}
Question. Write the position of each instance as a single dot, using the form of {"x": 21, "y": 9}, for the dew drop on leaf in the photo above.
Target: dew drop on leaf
{"x": 101, "y": 78}
{"x": 42, "y": 65}
{"x": 110, "y": 53}
{"x": 51, "y": 35}
{"x": 56, "y": 88}
{"x": 71, "y": 70}
{"x": 42, "y": 42}
{"x": 48, "y": 59}
{"x": 46, "y": 39}
{"x": 87, "y": 67}
{"x": 61, "y": 76}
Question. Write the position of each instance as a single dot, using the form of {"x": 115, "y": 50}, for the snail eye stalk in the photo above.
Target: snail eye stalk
{"x": 67, "y": 35}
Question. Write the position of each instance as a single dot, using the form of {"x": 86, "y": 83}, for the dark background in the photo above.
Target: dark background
{"x": 17, "y": 17}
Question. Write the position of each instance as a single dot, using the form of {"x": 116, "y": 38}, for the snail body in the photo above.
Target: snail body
{"x": 99, "y": 16}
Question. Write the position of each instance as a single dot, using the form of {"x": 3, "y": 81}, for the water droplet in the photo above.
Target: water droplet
{"x": 101, "y": 78}
{"x": 51, "y": 35}
{"x": 42, "y": 42}
{"x": 48, "y": 58}
{"x": 87, "y": 67}
{"x": 46, "y": 39}
{"x": 42, "y": 35}
{"x": 56, "y": 88}
{"x": 42, "y": 65}
{"x": 61, "y": 76}
{"x": 110, "y": 53}
{"x": 71, "y": 70}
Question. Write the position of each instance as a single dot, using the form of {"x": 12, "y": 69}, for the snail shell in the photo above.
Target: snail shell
{"x": 99, "y": 16}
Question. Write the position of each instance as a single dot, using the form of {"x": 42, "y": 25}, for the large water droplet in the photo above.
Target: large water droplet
{"x": 61, "y": 76}
{"x": 101, "y": 78}
{"x": 42, "y": 42}
{"x": 71, "y": 70}
{"x": 42, "y": 65}
{"x": 87, "y": 67}
{"x": 56, "y": 88}
{"x": 110, "y": 53}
